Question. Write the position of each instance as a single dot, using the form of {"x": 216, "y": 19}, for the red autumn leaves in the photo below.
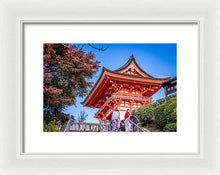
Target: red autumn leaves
{"x": 67, "y": 71}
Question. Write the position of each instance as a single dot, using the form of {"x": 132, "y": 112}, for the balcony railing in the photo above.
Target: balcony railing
{"x": 124, "y": 97}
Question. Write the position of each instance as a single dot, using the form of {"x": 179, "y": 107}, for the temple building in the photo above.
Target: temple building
{"x": 169, "y": 86}
{"x": 128, "y": 87}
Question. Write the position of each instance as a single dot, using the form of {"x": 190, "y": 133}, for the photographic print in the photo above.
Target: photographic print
{"x": 109, "y": 87}
{"x": 111, "y": 83}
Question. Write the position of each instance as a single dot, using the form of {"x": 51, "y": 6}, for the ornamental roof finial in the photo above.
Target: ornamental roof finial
{"x": 132, "y": 56}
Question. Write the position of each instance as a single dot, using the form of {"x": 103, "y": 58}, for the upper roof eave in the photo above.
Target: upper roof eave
{"x": 168, "y": 80}
{"x": 104, "y": 69}
{"x": 136, "y": 76}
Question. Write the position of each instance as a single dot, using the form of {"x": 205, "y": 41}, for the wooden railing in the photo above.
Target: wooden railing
{"x": 121, "y": 96}
{"x": 83, "y": 127}
{"x": 95, "y": 127}
{"x": 136, "y": 127}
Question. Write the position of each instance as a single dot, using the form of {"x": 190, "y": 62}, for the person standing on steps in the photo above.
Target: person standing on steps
{"x": 115, "y": 120}
{"x": 127, "y": 121}
{"x": 110, "y": 125}
{"x": 134, "y": 123}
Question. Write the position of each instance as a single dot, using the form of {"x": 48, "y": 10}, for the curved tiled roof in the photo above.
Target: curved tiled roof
{"x": 129, "y": 62}
{"x": 121, "y": 75}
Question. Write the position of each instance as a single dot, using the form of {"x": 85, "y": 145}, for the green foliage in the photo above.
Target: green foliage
{"x": 160, "y": 118}
{"x": 170, "y": 96}
{"x": 161, "y": 112}
{"x": 170, "y": 110}
{"x": 134, "y": 112}
{"x": 154, "y": 104}
{"x": 166, "y": 113}
{"x": 174, "y": 113}
{"x": 51, "y": 127}
{"x": 145, "y": 114}
{"x": 161, "y": 101}
{"x": 171, "y": 127}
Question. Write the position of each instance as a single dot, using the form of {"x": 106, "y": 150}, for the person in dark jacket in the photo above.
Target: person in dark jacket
{"x": 134, "y": 123}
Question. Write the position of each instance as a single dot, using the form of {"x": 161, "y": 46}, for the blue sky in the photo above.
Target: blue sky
{"x": 158, "y": 60}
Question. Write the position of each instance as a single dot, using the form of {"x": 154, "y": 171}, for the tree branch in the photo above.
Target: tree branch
{"x": 98, "y": 48}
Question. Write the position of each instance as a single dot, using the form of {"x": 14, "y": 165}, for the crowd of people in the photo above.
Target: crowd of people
{"x": 129, "y": 121}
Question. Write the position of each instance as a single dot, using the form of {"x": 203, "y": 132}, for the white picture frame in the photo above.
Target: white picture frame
{"x": 186, "y": 36}
{"x": 12, "y": 162}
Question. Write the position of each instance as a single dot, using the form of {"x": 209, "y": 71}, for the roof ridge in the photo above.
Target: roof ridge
{"x": 132, "y": 58}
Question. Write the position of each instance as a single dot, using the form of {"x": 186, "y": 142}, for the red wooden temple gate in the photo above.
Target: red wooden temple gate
{"x": 128, "y": 87}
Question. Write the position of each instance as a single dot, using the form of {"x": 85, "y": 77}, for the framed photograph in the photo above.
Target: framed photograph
{"x": 87, "y": 90}
{"x": 102, "y": 93}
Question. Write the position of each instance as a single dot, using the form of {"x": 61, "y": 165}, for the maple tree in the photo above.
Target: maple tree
{"x": 67, "y": 71}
